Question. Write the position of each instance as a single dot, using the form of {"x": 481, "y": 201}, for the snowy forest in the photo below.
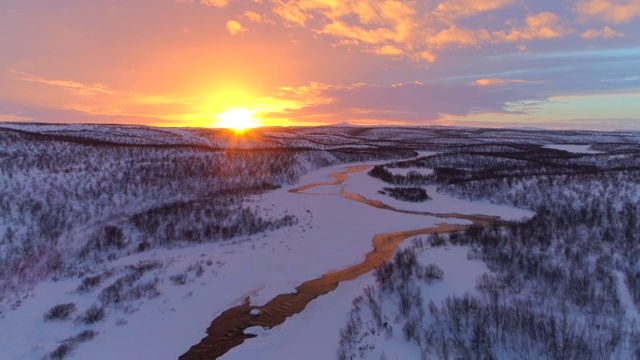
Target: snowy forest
{"x": 564, "y": 284}
{"x": 67, "y": 204}
{"x": 100, "y": 206}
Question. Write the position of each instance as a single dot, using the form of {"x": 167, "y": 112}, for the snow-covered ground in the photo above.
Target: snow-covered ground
{"x": 367, "y": 186}
{"x": 314, "y": 334}
{"x": 576, "y": 149}
{"x": 332, "y": 233}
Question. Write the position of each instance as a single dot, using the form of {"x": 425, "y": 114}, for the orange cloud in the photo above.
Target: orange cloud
{"x": 412, "y": 29}
{"x": 545, "y": 25}
{"x": 379, "y": 22}
{"x": 465, "y": 8}
{"x": 216, "y": 3}
{"x": 358, "y": 33}
{"x": 388, "y": 27}
{"x": 428, "y": 56}
{"x": 308, "y": 94}
{"x": 292, "y": 12}
{"x": 498, "y": 81}
{"x": 605, "y": 33}
{"x": 459, "y": 36}
{"x": 252, "y": 16}
{"x": 78, "y": 88}
{"x": 234, "y": 27}
{"x": 388, "y": 50}
{"x": 621, "y": 11}
{"x": 97, "y": 99}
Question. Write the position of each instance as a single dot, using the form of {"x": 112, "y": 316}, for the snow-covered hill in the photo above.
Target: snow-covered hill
{"x": 320, "y": 138}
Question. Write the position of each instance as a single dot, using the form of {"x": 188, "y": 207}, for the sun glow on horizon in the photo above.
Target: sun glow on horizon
{"x": 238, "y": 119}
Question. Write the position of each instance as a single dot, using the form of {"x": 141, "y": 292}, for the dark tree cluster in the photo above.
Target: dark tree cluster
{"x": 411, "y": 178}
{"x": 411, "y": 194}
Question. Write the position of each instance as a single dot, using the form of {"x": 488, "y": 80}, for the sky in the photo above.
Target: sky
{"x": 489, "y": 63}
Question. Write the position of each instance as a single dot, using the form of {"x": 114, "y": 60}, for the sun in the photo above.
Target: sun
{"x": 238, "y": 119}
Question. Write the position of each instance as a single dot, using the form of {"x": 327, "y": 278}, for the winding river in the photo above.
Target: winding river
{"x": 227, "y": 330}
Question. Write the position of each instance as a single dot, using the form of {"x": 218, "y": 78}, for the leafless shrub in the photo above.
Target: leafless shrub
{"x": 62, "y": 351}
{"x": 85, "y": 336}
{"x": 89, "y": 283}
{"x": 384, "y": 276}
{"x": 429, "y": 272}
{"x": 178, "y": 279}
{"x": 60, "y": 312}
{"x": 375, "y": 305}
{"x": 93, "y": 315}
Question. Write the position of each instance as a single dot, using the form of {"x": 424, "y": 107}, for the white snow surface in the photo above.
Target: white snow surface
{"x": 576, "y": 149}
{"x": 368, "y": 187}
{"x": 332, "y": 234}
{"x": 314, "y": 333}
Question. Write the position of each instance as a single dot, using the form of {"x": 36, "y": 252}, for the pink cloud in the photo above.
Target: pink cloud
{"x": 498, "y": 81}
{"x": 545, "y": 25}
{"x": 415, "y": 102}
{"x": 621, "y": 11}
{"x": 605, "y": 33}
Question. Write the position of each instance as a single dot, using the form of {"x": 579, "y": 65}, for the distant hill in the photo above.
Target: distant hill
{"x": 343, "y": 124}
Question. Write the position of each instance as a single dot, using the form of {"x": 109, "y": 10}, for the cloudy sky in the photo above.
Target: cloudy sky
{"x": 515, "y": 63}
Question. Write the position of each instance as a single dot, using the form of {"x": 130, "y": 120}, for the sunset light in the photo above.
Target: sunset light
{"x": 205, "y": 179}
{"x": 239, "y": 119}
{"x": 304, "y": 63}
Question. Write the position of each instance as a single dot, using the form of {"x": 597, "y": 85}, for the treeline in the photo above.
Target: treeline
{"x": 465, "y": 166}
